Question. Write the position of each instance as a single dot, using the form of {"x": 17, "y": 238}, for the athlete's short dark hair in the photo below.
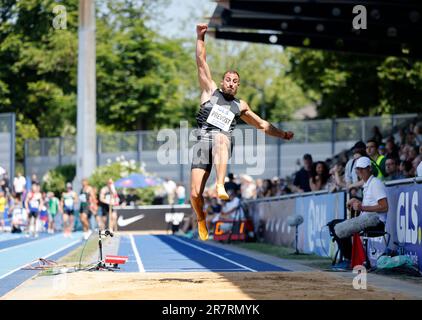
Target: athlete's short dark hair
{"x": 231, "y": 71}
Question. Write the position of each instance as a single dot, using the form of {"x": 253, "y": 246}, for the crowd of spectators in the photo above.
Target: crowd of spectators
{"x": 393, "y": 157}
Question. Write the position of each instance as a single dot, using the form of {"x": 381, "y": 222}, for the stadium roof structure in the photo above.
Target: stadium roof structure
{"x": 394, "y": 27}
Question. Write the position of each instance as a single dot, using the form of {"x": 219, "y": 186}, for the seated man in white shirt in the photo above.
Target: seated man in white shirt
{"x": 374, "y": 193}
{"x": 374, "y": 202}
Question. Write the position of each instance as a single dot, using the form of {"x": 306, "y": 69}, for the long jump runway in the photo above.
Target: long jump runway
{"x": 163, "y": 267}
{"x": 163, "y": 253}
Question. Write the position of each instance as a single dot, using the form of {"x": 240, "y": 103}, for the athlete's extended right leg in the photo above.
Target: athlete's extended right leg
{"x": 199, "y": 178}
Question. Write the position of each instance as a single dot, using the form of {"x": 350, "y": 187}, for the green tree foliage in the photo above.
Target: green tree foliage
{"x": 117, "y": 170}
{"x": 140, "y": 74}
{"x": 347, "y": 85}
{"x": 55, "y": 180}
{"x": 38, "y": 67}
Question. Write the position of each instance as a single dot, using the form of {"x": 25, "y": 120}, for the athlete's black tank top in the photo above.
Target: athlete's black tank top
{"x": 217, "y": 98}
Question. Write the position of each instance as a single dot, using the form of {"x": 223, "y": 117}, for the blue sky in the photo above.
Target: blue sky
{"x": 183, "y": 15}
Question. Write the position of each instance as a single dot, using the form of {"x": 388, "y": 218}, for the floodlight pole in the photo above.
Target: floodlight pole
{"x": 86, "y": 101}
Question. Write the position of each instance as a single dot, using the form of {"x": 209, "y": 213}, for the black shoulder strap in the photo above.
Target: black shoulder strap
{"x": 351, "y": 167}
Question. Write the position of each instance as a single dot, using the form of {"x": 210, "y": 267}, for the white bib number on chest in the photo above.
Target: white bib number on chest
{"x": 68, "y": 202}
{"x": 34, "y": 204}
{"x": 220, "y": 117}
{"x": 82, "y": 197}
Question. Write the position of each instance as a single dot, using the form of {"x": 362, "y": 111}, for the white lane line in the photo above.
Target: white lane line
{"x": 214, "y": 254}
{"x": 45, "y": 257}
{"x": 135, "y": 251}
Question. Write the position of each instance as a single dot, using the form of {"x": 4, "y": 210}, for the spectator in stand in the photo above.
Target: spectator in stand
{"x": 415, "y": 164}
{"x": 418, "y": 133}
{"x": 268, "y": 187}
{"x": 259, "y": 188}
{"x": 170, "y": 187}
{"x": 391, "y": 148}
{"x": 231, "y": 210}
{"x": 19, "y": 184}
{"x": 4, "y": 184}
{"x": 406, "y": 169}
{"x": 301, "y": 181}
{"x": 374, "y": 202}
{"x": 337, "y": 174}
{"x": 275, "y": 189}
{"x": 319, "y": 176}
{"x": 411, "y": 139}
{"x": 404, "y": 152}
{"x": 284, "y": 187}
{"x": 376, "y": 135}
{"x": 419, "y": 170}
{"x": 382, "y": 150}
{"x": 3, "y": 203}
{"x": 377, "y": 160}
{"x": 247, "y": 187}
{"x": 392, "y": 169}
{"x": 18, "y": 214}
{"x": 232, "y": 185}
{"x": 181, "y": 193}
{"x": 34, "y": 179}
{"x": 400, "y": 137}
{"x": 353, "y": 183}
{"x": 412, "y": 153}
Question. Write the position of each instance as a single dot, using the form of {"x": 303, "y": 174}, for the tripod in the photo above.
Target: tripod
{"x": 101, "y": 265}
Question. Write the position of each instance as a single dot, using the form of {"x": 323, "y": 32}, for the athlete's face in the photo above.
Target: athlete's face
{"x": 230, "y": 83}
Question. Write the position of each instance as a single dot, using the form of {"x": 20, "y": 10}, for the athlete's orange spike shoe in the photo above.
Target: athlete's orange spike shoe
{"x": 203, "y": 230}
{"x": 221, "y": 192}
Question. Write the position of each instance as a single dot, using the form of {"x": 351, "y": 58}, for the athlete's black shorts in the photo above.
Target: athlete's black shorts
{"x": 69, "y": 212}
{"x": 85, "y": 210}
{"x": 105, "y": 208}
{"x": 202, "y": 157}
{"x": 33, "y": 214}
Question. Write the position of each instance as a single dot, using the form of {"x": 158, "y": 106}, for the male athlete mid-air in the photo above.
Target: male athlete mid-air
{"x": 217, "y": 118}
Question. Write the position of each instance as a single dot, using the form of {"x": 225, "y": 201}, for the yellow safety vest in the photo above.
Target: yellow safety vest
{"x": 377, "y": 164}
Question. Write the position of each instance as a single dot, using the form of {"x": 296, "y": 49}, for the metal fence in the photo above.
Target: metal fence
{"x": 7, "y": 142}
{"x": 321, "y": 138}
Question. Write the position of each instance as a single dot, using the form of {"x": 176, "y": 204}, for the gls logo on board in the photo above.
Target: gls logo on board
{"x": 408, "y": 229}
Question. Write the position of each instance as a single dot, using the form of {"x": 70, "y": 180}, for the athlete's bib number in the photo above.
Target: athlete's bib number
{"x": 34, "y": 204}
{"x": 220, "y": 117}
{"x": 68, "y": 203}
{"x": 82, "y": 197}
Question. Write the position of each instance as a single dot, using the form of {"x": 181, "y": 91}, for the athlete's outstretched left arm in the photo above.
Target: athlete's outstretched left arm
{"x": 253, "y": 119}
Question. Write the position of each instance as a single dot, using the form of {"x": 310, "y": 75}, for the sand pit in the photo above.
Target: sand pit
{"x": 195, "y": 286}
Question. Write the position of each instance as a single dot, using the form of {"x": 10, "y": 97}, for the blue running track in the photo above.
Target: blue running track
{"x": 17, "y": 251}
{"x": 147, "y": 253}
{"x": 163, "y": 253}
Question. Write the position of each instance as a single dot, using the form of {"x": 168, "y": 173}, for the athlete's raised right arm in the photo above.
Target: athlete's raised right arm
{"x": 204, "y": 74}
